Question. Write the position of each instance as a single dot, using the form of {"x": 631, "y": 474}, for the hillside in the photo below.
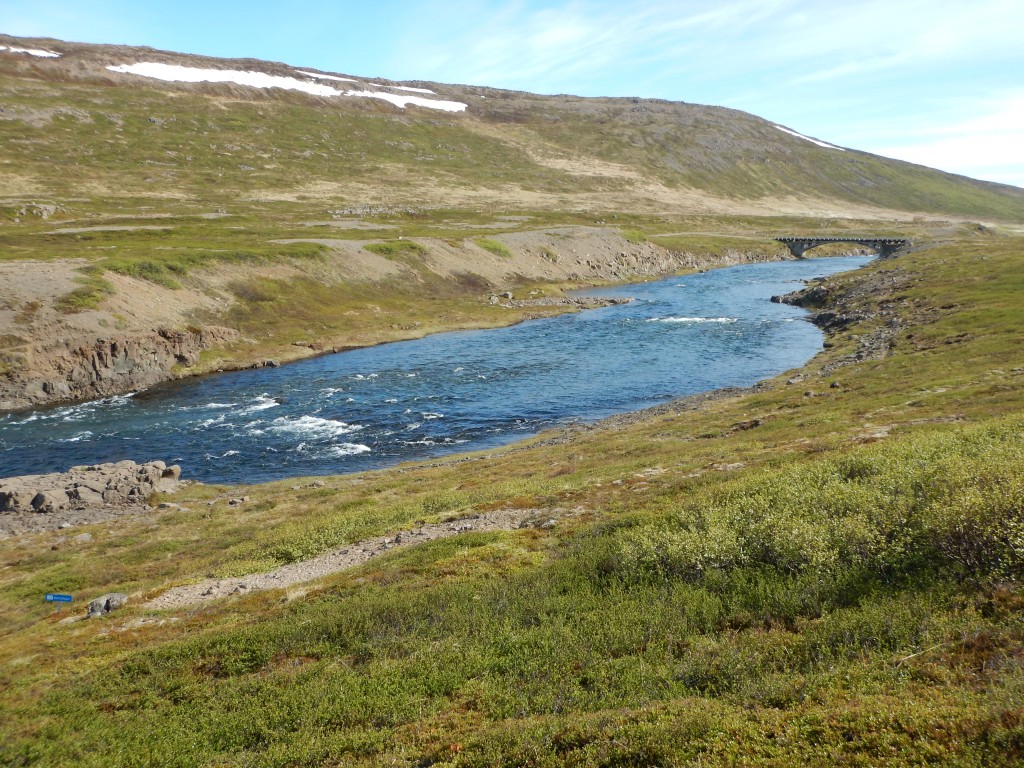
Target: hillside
{"x": 100, "y": 120}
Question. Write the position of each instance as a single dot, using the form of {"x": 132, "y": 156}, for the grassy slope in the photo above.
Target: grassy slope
{"x": 737, "y": 155}
{"x": 69, "y": 129}
{"x": 849, "y": 595}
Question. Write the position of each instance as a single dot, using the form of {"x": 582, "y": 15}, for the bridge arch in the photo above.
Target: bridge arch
{"x": 886, "y": 247}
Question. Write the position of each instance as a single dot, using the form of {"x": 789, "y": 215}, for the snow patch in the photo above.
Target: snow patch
{"x": 32, "y": 52}
{"x": 404, "y": 101}
{"x": 326, "y": 77}
{"x": 808, "y": 138}
{"x": 180, "y": 74}
{"x": 410, "y": 89}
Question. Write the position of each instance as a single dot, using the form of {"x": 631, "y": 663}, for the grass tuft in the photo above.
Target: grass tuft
{"x": 393, "y": 248}
{"x": 494, "y": 246}
{"x": 94, "y": 289}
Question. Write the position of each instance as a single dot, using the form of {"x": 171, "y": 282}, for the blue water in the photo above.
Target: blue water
{"x": 411, "y": 400}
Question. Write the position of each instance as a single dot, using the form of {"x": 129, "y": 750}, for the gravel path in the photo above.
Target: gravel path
{"x": 348, "y": 556}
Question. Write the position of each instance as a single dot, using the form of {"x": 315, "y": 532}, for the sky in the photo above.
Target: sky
{"x": 936, "y": 82}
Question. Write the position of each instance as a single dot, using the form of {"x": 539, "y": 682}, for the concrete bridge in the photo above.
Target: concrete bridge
{"x": 884, "y": 246}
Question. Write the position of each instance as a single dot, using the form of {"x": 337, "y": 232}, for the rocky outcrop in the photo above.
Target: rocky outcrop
{"x": 101, "y": 606}
{"x": 98, "y": 485}
{"x": 59, "y": 369}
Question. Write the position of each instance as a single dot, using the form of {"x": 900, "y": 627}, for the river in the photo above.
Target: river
{"x": 412, "y": 400}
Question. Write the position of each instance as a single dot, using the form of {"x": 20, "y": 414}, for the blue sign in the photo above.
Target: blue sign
{"x": 52, "y": 597}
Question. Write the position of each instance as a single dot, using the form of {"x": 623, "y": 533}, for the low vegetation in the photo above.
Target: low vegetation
{"x": 94, "y": 288}
{"x": 393, "y": 248}
{"x": 823, "y": 572}
{"x": 496, "y": 247}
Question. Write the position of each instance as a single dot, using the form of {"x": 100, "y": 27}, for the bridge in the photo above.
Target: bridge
{"x": 884, "y": 246}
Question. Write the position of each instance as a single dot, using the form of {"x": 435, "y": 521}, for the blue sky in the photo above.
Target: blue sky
{"x": 938, "y": 82}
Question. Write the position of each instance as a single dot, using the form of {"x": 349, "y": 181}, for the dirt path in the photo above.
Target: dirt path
{"x": 348, "y": 556}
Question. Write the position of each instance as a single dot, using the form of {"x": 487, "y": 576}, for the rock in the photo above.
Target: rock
{"x": 83, "y": 538}
{"x": 89, "y": 367}
{"x": 86, "y": 495}
{"x": 113, "y": 496}
{"x": 51, "y": 500}
{"x": 101, "y": 606}
{"x": 16, "y": 500}
{"x": 168, "y": 480}
{"x": 91, "y": 487}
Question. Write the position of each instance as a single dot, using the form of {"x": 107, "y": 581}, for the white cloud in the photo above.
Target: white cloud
{"x": 988, "y": 145}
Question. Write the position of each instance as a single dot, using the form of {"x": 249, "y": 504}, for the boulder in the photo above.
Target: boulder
{"x": 16, "y": 499}
{"x": 51, "y": 500}
{"x": 83, "y": 494}
{"x": 88, "y": 486}
{"x": 101, "y": 606}
{"x": 113, "y": 496}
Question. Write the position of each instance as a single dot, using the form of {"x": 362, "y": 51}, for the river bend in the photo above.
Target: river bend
{"x": 412, "y": 400}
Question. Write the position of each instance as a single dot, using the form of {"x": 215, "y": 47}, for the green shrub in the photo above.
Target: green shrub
{"x": 153, "y": 271}
{"x": 396, "y": 248}
{"x": 495, "y": 247}
{"x": 255, "y": 291}
{"x": 950, "y": 501}
{"x": 94, "y": 289}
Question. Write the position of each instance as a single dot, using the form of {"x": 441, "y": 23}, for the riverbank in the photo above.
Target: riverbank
{"x": 72, "y": 332}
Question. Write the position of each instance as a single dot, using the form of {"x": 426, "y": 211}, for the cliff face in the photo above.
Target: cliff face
{"x": 86, "y": 368}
